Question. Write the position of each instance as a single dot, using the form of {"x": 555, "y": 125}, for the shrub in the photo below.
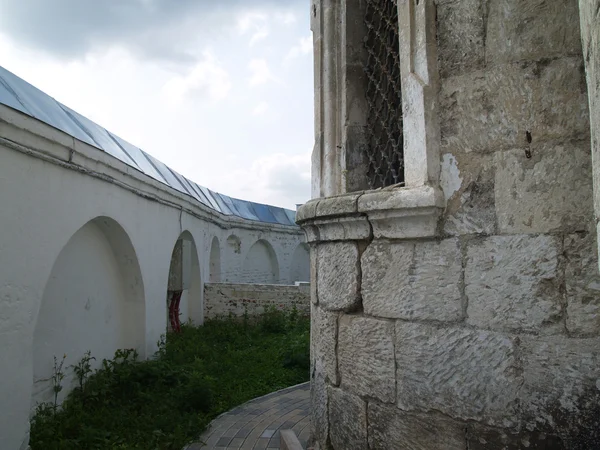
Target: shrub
{"x": 274, "y": 321}
{"x": 167, "y": 401}
{"x": 296, "y": 353}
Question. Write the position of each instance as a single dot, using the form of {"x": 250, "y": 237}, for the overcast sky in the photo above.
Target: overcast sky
{"x": 222, "y": 94}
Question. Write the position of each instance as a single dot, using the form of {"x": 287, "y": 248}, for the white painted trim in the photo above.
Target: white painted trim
{"x": 420, "y": 81}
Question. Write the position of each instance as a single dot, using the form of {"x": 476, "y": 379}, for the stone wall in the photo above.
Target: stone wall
{"x": 223, "y": 299}
{"x": 589, "y": 11}
{"x": 483, "y": 331}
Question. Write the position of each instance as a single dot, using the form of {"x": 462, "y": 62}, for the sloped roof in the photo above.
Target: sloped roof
{"x": 17, "y": 94}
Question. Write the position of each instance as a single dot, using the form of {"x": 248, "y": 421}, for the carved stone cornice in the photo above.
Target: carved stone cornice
{"x": 391, "y": 213}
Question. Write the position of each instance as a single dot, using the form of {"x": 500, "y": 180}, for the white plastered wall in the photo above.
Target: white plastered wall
{"x": 215, "y": 261}
{"x": 300, "y": 266}
{"x": 51, "y": 188}
{"x": 260, "y": 264}
{"x": 89, "y": 293}
{"x": 237, "y": 243}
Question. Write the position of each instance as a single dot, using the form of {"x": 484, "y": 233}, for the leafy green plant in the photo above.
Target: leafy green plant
{"x": 165, "y": 402}
{"x": 274, "y": 321}
{"x": 296, "y": 352}
{"x": 57, "y": 376}
{"x": 83, "y": 369}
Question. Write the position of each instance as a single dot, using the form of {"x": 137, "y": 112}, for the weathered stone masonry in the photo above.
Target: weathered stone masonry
{"x": 237, "y": 300}
{"x": 589, "y": 11}
{"x": 461, "y": 310}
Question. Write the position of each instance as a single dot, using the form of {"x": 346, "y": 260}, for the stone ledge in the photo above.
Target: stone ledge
{"x": 337, "y": 229}
{"x": 395, "y": 213}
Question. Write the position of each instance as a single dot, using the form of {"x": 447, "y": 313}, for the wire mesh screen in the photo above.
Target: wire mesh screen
{"x": 384, "y": 120}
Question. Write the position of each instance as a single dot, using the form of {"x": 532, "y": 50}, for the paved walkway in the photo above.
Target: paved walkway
{"x": 256, "y": 424}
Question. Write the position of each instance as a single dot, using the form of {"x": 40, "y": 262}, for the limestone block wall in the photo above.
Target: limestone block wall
{"x": 223, "y": 299}
{"x": 590, "y": 39}
{"x": 484, "y": 334}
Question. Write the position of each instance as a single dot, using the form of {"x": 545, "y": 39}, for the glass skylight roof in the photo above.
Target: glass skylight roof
{"x": 22, "y": 96}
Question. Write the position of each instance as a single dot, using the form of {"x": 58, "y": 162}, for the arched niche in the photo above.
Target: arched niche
{"x": 260, "y": 265}
{"x": 300, "y": 265}
{"x": 234, "y": 243}
{"x": 184, "y": 277}
{"x": 93, "y": 300}
{"x": 215, "y": 261}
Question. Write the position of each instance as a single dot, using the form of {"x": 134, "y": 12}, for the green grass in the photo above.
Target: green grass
{"x": 166, "y": 402}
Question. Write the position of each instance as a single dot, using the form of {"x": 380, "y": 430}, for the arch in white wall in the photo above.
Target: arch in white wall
{"x": 93, "y": 300}
{"x": 215, "y": 261}
{"x": 232, "y": 252}
{"x": 234, "y": 243}
{"x": 300, "y": 266}
{"x": 260, "y": 265}
{"x": 190, "y": 303}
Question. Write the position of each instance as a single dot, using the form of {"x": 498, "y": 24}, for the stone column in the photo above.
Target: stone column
{"x": 338, "y": 160}
{"x": 463, "y": 310}
{"x": 590, "y": 38}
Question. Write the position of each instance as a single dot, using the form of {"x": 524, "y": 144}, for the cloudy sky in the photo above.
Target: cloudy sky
{"x": 222, "y": 94}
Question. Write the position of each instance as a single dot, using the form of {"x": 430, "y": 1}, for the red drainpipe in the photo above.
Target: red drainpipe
{"x": 174, "y": 311}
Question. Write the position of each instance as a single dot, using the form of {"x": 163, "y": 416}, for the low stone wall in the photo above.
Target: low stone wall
{"x": 227, "y": 298}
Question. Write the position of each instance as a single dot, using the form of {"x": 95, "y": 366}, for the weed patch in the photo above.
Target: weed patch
{"x": 166, "y": 402}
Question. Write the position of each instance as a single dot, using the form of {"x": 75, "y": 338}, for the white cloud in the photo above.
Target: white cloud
{"x": 260, "y": 34}
{"x": 260, "y": 109}
{"x": 303, "y": 47}
{"x": 207, "y": 77}
{"x": 255, "y": 24}
{"x": 211, "y": 136}
{"x": 286, "y": 18}
{"x": 261, "y": 73}
{"x": 249, "y": 20}
{"x": 279, "y": 179}
{"x": 306, "y": 45}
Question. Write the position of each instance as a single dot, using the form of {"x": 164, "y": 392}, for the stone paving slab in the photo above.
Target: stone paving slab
{"x": 256, "y": 424}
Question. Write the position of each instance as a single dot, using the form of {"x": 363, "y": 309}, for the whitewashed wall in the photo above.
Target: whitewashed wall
{"x": 85, "y": 252}
{"x": 90, "y": 292}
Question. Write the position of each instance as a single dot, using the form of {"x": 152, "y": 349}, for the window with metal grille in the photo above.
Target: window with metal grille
{"x": 384, "y": 115}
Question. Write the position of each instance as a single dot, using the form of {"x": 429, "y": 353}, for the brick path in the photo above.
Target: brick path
{"x": 256, "y": 424}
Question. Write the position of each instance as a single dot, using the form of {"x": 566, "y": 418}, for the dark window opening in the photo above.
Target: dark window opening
{"x": 384, "y": 98}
